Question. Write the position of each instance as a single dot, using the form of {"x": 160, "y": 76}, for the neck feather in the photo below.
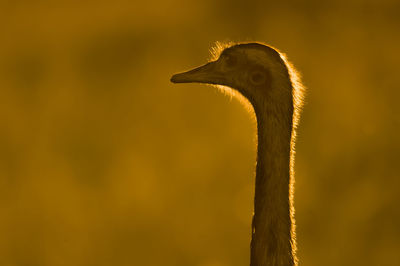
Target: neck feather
{"x": 273, "y": 241}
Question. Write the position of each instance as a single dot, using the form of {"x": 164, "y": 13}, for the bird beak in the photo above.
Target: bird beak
{"x": 203, "y": 74}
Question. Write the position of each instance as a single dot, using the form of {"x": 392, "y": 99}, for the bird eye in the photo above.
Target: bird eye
{"x": 257, "y": 78}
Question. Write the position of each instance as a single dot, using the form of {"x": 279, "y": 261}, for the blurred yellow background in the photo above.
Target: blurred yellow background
{"x": 104, "y": 162}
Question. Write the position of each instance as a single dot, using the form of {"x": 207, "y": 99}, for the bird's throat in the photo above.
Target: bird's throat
{"x": 273, "y": 224}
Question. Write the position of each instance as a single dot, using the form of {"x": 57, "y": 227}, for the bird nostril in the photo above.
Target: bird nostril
{"x": 231, "y": 61}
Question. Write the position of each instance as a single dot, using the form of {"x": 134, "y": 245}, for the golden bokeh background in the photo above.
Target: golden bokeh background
{"x": 104, "y": 162}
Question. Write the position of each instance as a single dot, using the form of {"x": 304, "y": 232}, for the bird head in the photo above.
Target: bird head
{"x": 255, "y": 70}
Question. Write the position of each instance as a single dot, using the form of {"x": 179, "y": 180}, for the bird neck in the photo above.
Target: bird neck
{"x": 273, "y": 240}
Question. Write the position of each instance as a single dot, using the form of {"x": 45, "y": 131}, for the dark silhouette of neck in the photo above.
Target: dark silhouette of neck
{"x": 272, "y": 221}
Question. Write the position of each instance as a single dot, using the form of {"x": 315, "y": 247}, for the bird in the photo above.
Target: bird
{"x": 271, "y": 85}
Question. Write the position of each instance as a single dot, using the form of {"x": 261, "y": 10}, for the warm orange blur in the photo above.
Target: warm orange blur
{"x": 104, "y": 162}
